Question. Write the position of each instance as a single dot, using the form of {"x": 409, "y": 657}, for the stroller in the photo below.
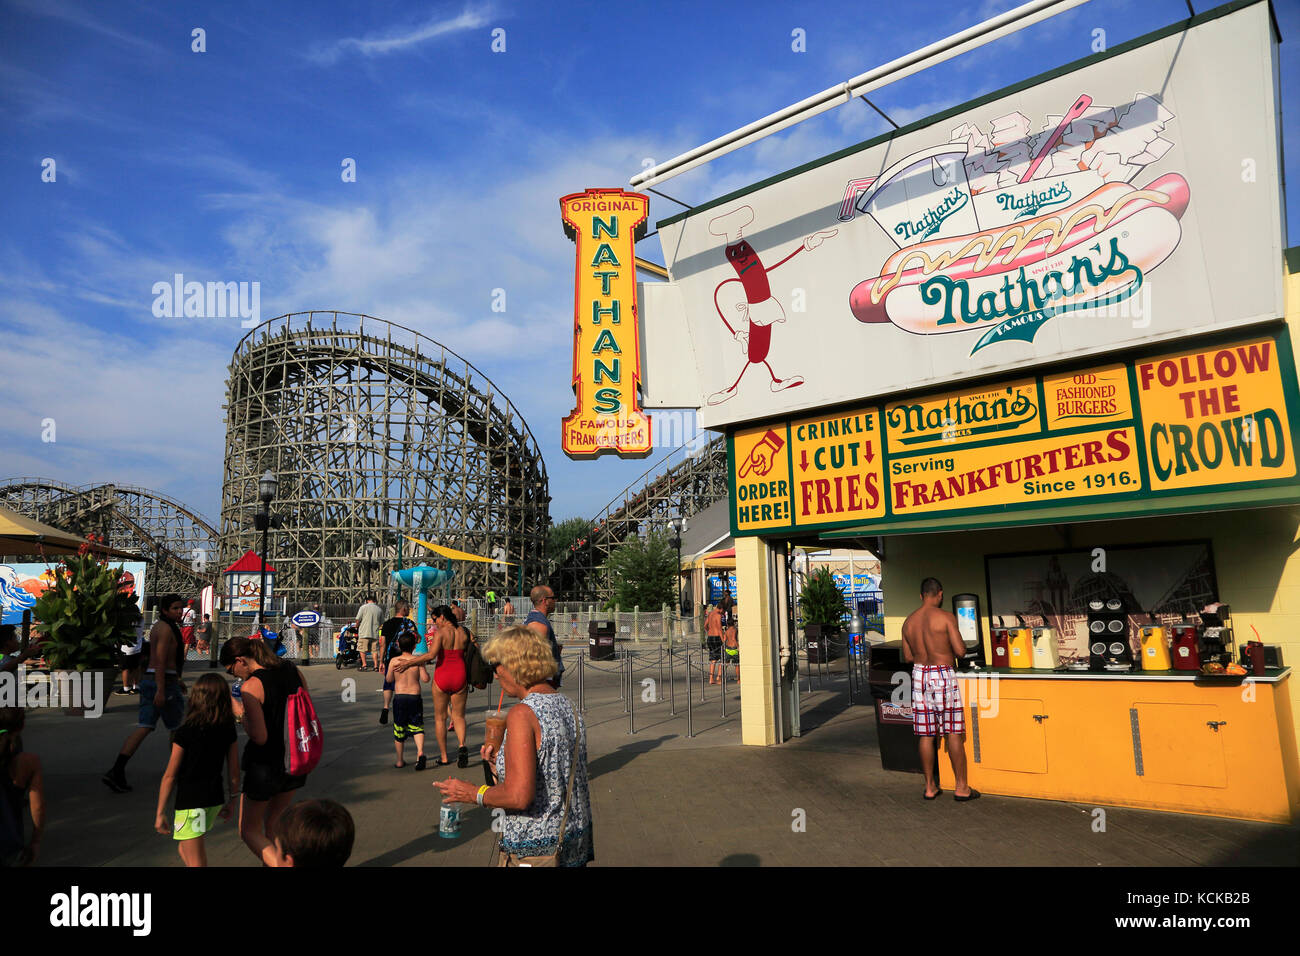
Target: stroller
{"x": 347, "y": 650}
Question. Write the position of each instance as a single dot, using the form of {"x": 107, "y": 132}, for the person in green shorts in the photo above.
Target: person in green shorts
{"x": 203, "y": 742}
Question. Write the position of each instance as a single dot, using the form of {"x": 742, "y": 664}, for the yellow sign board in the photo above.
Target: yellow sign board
{"x": 963, "y": 417}
{"x": 1211, "y": 418}
{"x": 1215, "y": 416}
{"x": 1088, "y": 465}
{"x": 604, "y": 224}
{"x": 762, "y": 478}
{"x": 838, "y": 467}
{"x": 1087, "y": 398}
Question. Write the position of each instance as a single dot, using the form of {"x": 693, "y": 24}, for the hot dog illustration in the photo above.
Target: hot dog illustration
{"x": 760, "y": 308}
{"x": 1087, "y": 253}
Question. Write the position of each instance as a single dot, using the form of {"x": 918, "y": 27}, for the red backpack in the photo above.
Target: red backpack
{"x": 304, "y": 739}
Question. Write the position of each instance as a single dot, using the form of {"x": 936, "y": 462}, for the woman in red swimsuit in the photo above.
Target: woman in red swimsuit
{"x": 450, "y": 686}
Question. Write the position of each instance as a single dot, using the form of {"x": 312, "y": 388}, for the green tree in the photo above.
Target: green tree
{"x": 563, "y": 535}
{"x": 644, "y": 573}
{"x": 821, "y": 601}
{"x": 85, "y": 614}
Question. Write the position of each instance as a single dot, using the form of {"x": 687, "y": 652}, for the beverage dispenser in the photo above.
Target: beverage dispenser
{"x": 966, "y": 608}
{"x": 1046, "y": 654}
{"x": 1020, "y": 646}
{"x": 1153, "y": 647}
{"x": 998, "y": 640}
{"x": 1186, "y": 650}
{"x": 1108, "y": 646}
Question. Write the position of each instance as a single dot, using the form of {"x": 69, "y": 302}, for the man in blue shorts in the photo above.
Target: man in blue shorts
{"x": 161, "y": 690}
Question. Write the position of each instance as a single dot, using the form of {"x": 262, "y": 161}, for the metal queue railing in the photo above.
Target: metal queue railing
{"x": 629, "y": 661}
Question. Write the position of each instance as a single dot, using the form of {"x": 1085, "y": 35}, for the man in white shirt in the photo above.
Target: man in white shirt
{"x": 369, "y": 621}
{"x": 130, "y": 657}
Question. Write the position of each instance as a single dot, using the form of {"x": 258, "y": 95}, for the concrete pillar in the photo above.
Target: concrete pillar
{"x": 759, "y": 684}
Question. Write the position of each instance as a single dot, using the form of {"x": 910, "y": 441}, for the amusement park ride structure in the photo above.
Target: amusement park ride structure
{"x": 376, "y": 432}
{"x": 179, "y": 543}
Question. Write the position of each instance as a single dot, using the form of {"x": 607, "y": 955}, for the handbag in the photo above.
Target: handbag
{"x": 546, "y": 859}
{"x": 477, "y": 671}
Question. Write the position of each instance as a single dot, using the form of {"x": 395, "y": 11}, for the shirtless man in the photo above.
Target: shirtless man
{"x": 931, "y": 642}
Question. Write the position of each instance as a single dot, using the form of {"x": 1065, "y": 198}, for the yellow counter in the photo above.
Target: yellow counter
{"x": 1156, "y": 741}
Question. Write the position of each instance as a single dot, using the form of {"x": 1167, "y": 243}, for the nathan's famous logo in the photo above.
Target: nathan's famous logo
{"x": 999, "y": 263}
{"x": 962, "y": 416}
{"x": 1025, "y": 304}
{"x": 929, "y": 223}
{"x": 1034, "y": 200}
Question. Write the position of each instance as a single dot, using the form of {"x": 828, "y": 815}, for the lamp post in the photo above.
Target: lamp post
{"x": 267, "y": 486}
{"x": 371, "y": 565}
{"x": 678, "y": 524}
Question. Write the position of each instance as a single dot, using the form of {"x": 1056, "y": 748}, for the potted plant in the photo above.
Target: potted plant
{"x": 822, "y": 605}
{"x": 85, "y": 616}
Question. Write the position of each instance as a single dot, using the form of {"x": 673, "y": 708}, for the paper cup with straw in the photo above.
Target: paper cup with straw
{"x": 496, "y": 725}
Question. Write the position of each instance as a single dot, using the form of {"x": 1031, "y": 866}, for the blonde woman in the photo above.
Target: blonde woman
{"x": 541, "y": 766}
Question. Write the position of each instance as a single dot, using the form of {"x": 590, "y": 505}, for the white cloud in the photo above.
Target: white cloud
{"x": 411, "y": 248}
{"x": 401, "y": 40}
{"x": 129, "y": 405}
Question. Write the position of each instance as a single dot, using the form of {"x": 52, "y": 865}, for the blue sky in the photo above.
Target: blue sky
{"x": 225, "y": 166}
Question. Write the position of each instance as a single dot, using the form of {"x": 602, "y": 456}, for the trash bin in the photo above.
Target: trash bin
{"x": 898, "y": 749}
{"x": 600, "y": 640}
{"x": 821, "y": 646}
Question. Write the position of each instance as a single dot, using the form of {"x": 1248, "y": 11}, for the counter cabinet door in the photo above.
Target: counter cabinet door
{"x": 1179, "y": 743}
{"x": 1013, "y": 735}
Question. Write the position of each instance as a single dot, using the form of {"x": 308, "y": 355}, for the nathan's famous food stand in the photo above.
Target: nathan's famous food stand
{"x": 1038, "y": 347}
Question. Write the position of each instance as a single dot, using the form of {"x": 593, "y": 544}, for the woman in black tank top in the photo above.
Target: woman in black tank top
{"x": 267, "y": 789}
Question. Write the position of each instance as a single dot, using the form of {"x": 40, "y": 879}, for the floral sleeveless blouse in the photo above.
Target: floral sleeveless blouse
{"x": 536, "y": 831}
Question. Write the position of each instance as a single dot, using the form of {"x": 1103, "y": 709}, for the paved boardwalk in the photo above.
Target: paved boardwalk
{"x": 659, "y": 798}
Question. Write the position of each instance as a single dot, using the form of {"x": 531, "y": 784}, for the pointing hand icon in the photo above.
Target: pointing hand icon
{"x": 817, "y": 238}
{"x": 762, "y": 456}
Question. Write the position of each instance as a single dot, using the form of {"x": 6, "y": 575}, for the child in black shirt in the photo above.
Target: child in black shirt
{"x": 200, "y": 745}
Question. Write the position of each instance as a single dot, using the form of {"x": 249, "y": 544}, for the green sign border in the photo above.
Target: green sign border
{"x": 1162, "y": 502}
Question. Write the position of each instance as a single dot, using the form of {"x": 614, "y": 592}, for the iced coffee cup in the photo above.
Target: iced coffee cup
{"x": 496, "y": 731}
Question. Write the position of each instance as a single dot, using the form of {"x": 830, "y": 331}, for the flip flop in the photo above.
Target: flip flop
{"x": 926, "y": 796}
{"x": 974, "y": 795}
{"x": 441, "y": 763}
{"x": 398, "y": 766}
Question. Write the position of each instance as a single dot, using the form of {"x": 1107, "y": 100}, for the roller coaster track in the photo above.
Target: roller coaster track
{"x": 681, "y": 484}
{"x": 177, "y": 539}
{"x": 376, "y": 431}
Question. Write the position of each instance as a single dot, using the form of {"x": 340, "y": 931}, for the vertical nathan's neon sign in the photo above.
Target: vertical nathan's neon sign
{"x": 604, "y": 223}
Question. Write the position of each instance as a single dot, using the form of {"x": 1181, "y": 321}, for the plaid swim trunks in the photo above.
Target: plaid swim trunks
{"x": 936, "y": 701}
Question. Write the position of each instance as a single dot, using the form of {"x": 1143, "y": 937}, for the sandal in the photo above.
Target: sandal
{"x": 419, "y": 764}
{"x": 398, "y": 766}
{"x": 462, "y": 757}
{"x": 973, "y": 795}
{"x": 926, "y": 796}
